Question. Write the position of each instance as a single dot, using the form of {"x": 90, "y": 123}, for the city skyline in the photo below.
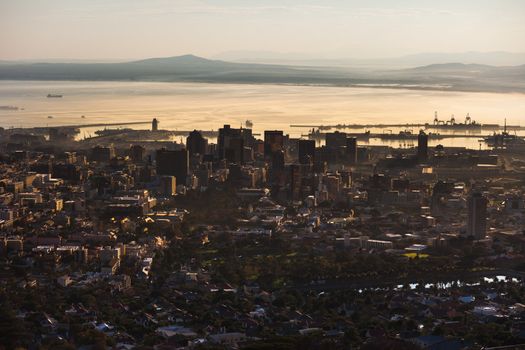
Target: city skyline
{"x": 242, "y": 174}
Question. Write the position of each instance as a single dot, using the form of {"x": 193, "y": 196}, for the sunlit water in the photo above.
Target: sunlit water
{"x": 188, "y": 106}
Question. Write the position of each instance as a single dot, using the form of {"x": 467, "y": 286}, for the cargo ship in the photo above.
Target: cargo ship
{"x": 54, "y": 96}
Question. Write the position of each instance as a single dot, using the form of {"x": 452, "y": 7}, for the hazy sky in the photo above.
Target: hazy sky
{"x": 115, "y": 29}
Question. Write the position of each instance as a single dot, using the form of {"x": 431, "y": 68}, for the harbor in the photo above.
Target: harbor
{"x": 447, "y": 127}
{"x": 402, "y": 135}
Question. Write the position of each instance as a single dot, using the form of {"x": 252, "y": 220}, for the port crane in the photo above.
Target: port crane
{"x": 452, "y": 121}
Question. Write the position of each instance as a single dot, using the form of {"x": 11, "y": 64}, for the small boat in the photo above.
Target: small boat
{"x": 50, "y": 117}
{"x": 83, "y": 117}
{"x": 54, "y": 96}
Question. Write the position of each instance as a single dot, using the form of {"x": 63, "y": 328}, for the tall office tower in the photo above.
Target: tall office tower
{"x": 258, "y": 147}
{"x": 335, "y": 140}
{"x": 477, "y": 215}
{"x": 351, "y": 149}
{"x": 273, "y": 142}
{"x": 102, "y": 153}
{"x": 168, "y": 185}
{"x": 295, "y": 181}
{"x": 234, "y": 153}
{"x": 422, "y": 147}
{"x": 247, "y": 136}
{"x": 278, "y": 160}
{"x": 248, "y": 155}
{"x": 154, "y": 124}
{"x": 203, "y": 174}
{"x": 136, "y": 152}
{"x": 174, "y": 163}
{"x": 306, "y": 149}
{"x": 224, "y": 140}
{"x": 196, "y": 143}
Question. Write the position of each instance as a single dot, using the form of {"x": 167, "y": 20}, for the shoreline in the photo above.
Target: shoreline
{"x": 361, "y": 85}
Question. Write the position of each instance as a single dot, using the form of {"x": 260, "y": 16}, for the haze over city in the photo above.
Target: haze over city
{"x": 262, "y": 174}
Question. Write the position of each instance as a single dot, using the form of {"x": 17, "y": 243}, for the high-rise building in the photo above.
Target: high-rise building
{"x": 102, "y": 153}
{"x": 234, "y": 153}
{"x": 247, "y": 136}
{"x": 174, "y": 163}
{"x": 248, "y": 155}
{"x": 168, "y": 185}
{"x": 226, "y": 134}
{"x": 332, "y": 184}
{"x": 273, "y": 142}
{"x": 136, "y": 153}
{"x": 295, "y": 181}
{"x": 203, "y": 174}
{"x": 154, "y": 124}
{"x": 306, "y": 150}
{"x": 477, "y": 215}
{"x": 422, "y": 146}
{"x": 351, "y": 149}
{"x": 258, "y": 147}
{"x": 196, "y": 143}
{"x": 278, "y": 160}
{"x": 335, "y": 140}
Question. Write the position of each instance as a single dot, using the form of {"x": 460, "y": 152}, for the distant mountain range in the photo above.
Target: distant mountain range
{"x": 190, "y": 68}
{"x": 496, "y": 58}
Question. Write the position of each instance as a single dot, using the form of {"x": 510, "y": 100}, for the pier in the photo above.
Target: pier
{"x": 45, "y": 129}
{"x": 448, "y": 127}
{"x": 383, "y": 136}
{"x": 94, "y": 125}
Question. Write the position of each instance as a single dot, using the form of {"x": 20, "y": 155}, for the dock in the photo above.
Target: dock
{"x": 94, "y": 125}
{"x": 364, "y": 136}
{"x": 448, "y": 127}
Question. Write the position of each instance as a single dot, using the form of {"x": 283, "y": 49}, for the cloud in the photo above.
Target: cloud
{"x": 192, "y": 7}
{"x": 398, "y": 12}
{"x": 96, "y": 9}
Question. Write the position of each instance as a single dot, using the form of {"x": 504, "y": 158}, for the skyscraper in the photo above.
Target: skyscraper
{"x": 247, "y": 136}
{"x": 351, "y": 149}
{"x": 102, "y": 153}
{"x": 226, "y": 134}
{"x": 174, "y": 163}
{"x": 273, "y": 142}
{"x": 168, "y": 185}
{"x": 295, "y": 181}
{"x": 235, "y": 151}
{"x": 335, "y": 140}
{"x": 422, "y": 147}
{"x": 306, "y": 150}
{"x": 196, "y": 143}
{"x": 278, "y": 161}
{"x": 477, "y": 215}
{"x": 136, "y": 153}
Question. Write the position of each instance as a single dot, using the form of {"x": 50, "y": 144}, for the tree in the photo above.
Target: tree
{"x": 13, "y": 332}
